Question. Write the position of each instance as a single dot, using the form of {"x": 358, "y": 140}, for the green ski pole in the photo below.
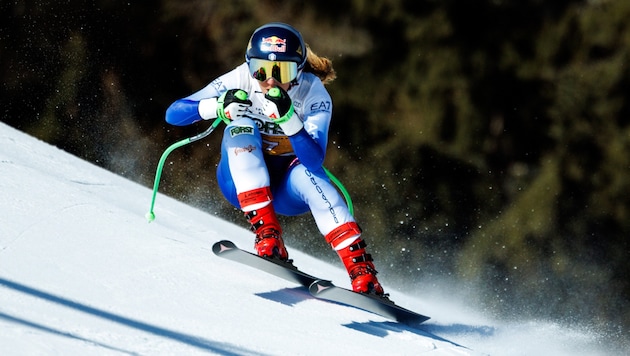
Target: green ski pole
{"x": 151, "y": 215}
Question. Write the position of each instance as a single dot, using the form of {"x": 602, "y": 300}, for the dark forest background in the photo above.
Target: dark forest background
{"x": 484, "y": 142}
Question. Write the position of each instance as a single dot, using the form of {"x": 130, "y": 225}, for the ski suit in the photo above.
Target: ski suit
{"x": 256, "y": 153}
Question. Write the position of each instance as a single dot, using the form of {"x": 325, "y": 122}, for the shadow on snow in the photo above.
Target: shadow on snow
{"x": 198, "y": 342}
{"x": 382, "y": 329}
{"x": 287, "y": 296}
{"x": 293, "y": 296}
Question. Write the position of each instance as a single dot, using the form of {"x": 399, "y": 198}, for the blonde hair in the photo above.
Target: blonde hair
{"x": 320, "y": 66}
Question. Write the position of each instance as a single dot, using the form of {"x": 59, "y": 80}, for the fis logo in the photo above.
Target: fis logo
{"x": 273, "y": 44}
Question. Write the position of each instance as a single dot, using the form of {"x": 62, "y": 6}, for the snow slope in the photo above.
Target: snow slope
{"x": 83, "y": 273}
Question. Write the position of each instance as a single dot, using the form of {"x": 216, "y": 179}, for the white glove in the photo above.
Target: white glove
{"x": 232, "y": 105}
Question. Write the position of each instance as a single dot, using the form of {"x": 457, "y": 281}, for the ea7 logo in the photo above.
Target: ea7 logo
{"x": 321, "y": 106}
{"x": 241, "y": 130}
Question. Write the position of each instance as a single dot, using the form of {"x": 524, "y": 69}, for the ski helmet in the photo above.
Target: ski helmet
{"x": 276, "y": 49}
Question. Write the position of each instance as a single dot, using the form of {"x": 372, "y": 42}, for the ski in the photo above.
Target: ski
{"x": 372, "y": 303}
{"x": 319, "y": 288}
{"x": 286, "y": 270}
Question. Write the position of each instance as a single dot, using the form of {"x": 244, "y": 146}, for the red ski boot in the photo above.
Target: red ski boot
{"x": 358, "y": 263}
{"x": 265, "y": 225}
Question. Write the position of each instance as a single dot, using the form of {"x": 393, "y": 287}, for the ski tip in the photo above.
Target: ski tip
{"x": 412, "y": 320}
{"x": 373, "y": 303}
{"x": 222, "y": 246}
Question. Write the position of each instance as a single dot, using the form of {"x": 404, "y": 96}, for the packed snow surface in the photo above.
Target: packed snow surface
{"x": 83, "y": 273}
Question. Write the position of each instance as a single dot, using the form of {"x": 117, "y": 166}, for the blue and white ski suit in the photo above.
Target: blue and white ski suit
{"x": 255, "y": 152}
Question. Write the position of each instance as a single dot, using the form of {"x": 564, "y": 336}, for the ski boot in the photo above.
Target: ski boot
{"x": 346, "y": 240}
{"x": 264, "y": 223}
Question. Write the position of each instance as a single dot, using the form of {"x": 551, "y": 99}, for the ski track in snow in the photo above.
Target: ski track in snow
{"x": 83, "y": 273}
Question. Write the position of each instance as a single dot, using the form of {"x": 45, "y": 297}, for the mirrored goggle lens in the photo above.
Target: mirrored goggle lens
{"x": 283, "y": 72}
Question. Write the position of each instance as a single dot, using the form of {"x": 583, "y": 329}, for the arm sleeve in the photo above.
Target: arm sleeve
{"x": 310, "y": 142}
{"x": 183, "y": 112}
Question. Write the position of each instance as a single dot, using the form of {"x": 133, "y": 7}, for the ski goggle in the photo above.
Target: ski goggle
{"x": 262, "y": 69}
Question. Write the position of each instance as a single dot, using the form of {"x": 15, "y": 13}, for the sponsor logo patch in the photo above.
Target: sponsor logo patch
{"x": 241, "y": 130}
{"x": 248, "y": 149}
{"x": 273, "y": 44}
{"x": 321, "y": 106}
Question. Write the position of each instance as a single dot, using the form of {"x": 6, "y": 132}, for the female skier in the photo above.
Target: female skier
{"x": 277, "y": 113}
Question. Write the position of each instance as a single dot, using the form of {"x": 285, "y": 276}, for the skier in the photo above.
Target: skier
{"x": 277, "y": 113}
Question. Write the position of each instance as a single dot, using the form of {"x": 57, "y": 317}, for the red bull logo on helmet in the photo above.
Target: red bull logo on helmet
{"x": 273, "y": 44}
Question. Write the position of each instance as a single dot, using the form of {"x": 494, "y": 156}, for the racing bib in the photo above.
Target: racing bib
{"x": 276, "y": 145}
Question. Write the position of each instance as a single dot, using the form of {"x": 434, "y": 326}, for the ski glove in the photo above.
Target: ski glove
{"x": 232, "y": 105}
{"x": 280, "y": 109}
